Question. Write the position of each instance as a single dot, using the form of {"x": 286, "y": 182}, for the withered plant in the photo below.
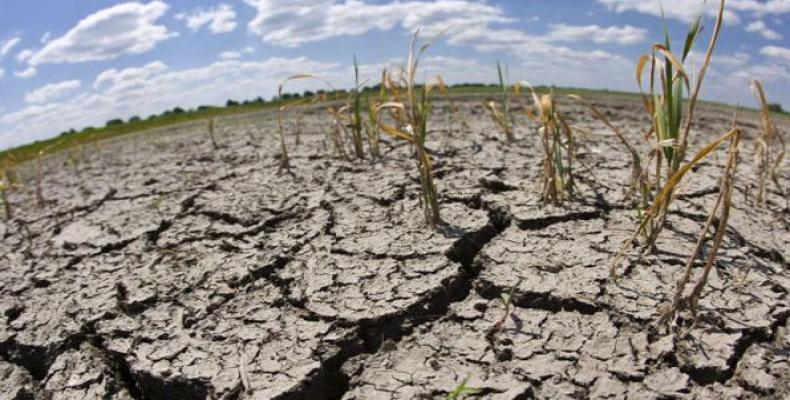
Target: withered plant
{"x": 719, "y": 215}
{"x": 410, "y": 107}
{"x": 670, "y": 125}
{"x": 769, "y": 149}
{"x": 664, "y": 196}
{"x": 211, "y": 126}
{"x": 282, "y": 106}
{"x": 557, "y": 140}
{"x": 5, "y": 186}
{"x": 500, "y": 111}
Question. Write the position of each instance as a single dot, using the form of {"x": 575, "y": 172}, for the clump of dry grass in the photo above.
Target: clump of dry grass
{"x": 409, "y": 106}
{"x": 769, "y": 147}
{"x": 557, "y": 141}
{"x": 500, "y": 111}
{"x": 722, "y": 208}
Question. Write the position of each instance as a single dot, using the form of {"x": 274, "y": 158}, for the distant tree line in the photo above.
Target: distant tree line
{"x": 774, "y": 107}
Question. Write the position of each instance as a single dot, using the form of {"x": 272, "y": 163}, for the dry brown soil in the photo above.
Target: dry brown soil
{"x": 163, "y": 269}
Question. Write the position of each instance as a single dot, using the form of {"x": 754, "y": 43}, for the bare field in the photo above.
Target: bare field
{"x": 165, "y": 269}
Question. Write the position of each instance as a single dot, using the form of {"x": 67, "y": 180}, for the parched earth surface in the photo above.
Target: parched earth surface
{"x": 162, "y": 268}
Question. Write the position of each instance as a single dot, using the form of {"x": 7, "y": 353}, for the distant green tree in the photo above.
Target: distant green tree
{"x": 231, "y": 103}
{"x": 775, "y": 107}
{"x": 134, "y": 119}
{"x": 178, "y": 110}
{"x": 116, "y": 121}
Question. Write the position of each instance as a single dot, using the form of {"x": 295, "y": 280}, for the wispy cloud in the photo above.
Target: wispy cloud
{"x": 221, "y": 19}
{"x": 9, "y": 45}
{"x": 763, "y": 30}
{"x": 776, "y": 52}
{"x": 236, "y": 54}
{"x": 26, "y": 73}
{"x": 594, "y": 33}
{"x": 52, "y": 91}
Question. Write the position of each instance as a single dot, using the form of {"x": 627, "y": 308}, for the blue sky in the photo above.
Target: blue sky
{"x": 70, "y": 64}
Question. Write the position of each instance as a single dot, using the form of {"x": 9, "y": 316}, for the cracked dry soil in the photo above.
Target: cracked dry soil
{"x": 163, "y": 269}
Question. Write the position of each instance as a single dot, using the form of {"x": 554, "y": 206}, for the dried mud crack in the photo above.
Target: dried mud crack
{"x": 171, "y": 270}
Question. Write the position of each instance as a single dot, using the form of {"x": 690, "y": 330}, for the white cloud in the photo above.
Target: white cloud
{"x": 45, "y": 37}
{"x": 2, "y": 73}
{"x": 9, "y": 45}
{"x": 776, "y": 52}
{"x": 594, "y": 33}
{"x": 761, "y": 7}
{"x": 683, "y": 10}
{"x": 762, "y": 29}
{"x": 129, "y": 77}
{"x": 126, "y": 28}
{"x": 26, "y": 73}
{"x": 221, "y": 19}
{"x": 236, "y": 54}
{"x": 153, "y": 88}
{"x": 467, "y": 23}
{"x": 731, "y": 60}
{"x": 24, "y": 55}
{"x": 52, "y": 91}
{"x": 295, "y": 22}
{"x": 688, "y": 10}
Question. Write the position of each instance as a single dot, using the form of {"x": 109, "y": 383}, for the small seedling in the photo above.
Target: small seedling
{"x": 500, "y": 112}
{"x": 507, "y": 301}
{"x": 462, "y": 390}
{"x": 338, "y": 132}
{"x": 39, "y": 177}
{"x": 211, "y": 126}
{"x": 282, "y": 106}
{"x": 5, "y": 185}
{"x": 372, "y": 129}
{"x": 722, "y": 208}
{"x": 769, "y": 147}
{"x": 75, "y": 157}
{"x": 356, "y": 115}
